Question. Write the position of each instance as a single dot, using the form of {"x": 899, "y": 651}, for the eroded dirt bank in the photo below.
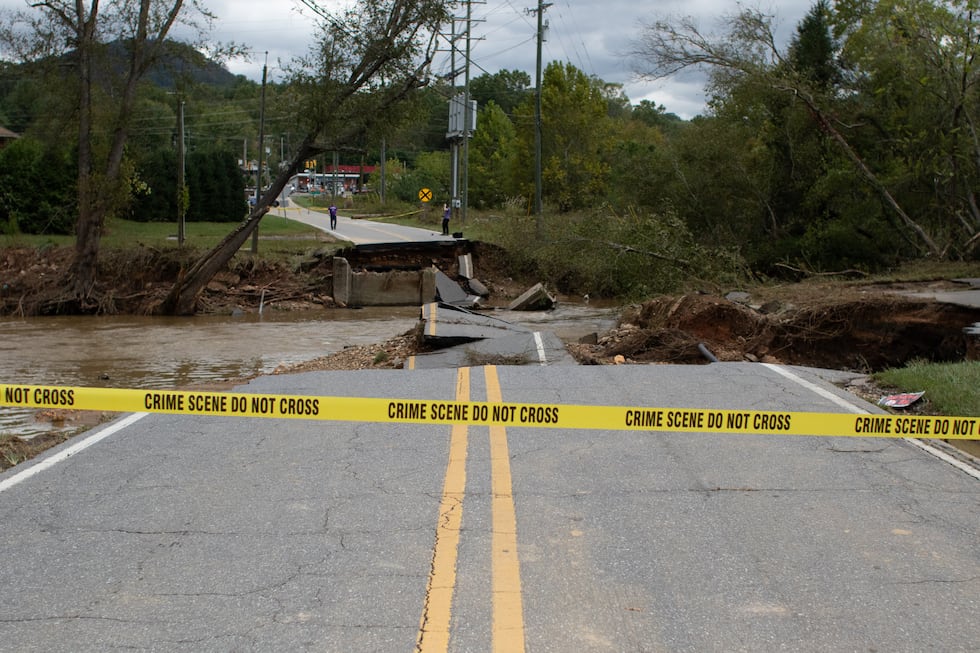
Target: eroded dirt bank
{"x": 864, "y": 332}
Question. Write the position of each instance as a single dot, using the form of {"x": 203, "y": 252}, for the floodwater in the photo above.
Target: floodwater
{"x": 168, "y": 352}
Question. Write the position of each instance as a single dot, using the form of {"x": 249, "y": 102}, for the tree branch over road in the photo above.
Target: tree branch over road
{"x": 366, "y": 65}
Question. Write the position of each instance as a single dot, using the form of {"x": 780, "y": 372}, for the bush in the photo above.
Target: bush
{"x": 629, "y": 256}
{"x": 830, "y": 246}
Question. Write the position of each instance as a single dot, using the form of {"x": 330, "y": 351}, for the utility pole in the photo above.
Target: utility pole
{"x": 384, "y": 168}
{"x": 258, "y": 173}
{"x": 469, "y": 119}
{"x": 537, "y": 117}
{"x": 181, "y": 191}
{"x": 453, "y": 134}
{"x": 462, "y": 122}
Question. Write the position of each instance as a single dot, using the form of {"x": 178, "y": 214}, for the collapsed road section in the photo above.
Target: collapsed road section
{"x": 464, "y": 338}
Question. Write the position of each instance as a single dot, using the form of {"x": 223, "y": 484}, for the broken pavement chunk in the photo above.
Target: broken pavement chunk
{"x": 450, "y": 292}
{"x": 535, "y": 298}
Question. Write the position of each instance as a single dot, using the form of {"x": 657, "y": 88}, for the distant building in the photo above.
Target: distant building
{"x": 7, "y": 137}
{"x": 345, "y": 179}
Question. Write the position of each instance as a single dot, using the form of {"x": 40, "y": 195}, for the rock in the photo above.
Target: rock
{"x": 772, "y": 307}
{"x": 477, "y": 288}
{"x": 739, "y": 297}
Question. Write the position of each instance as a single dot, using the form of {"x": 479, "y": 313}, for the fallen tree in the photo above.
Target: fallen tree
{"x": 366, "y": 66}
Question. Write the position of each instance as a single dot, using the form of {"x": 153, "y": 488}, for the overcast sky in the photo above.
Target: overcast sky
{"x": 590, "y": 34}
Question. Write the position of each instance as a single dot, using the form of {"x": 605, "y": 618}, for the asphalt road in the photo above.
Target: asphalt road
{"x": 182, "y": 533}
{"x": 358, "y": 231}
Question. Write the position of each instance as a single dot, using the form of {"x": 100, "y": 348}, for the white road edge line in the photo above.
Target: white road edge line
{"x": 64, "y": 454}
{"x": 542, "y": 357}
{"x": 843, "y": 403}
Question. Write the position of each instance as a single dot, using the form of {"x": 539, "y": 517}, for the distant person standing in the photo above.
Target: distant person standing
{"x": 333, "y": 216}
{"x": 445, "y": 219}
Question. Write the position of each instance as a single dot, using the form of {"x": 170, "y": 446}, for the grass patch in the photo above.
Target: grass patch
{"x": 927, "y": 270}
{"x": 951, "y": 388}
{"x": 276, "y": 234}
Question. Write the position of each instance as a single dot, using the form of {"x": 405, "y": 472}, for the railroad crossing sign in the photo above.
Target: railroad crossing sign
{"x": 425, "y": 195}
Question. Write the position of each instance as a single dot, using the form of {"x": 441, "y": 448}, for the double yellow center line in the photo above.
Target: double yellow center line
{"x": 508, "y": 611}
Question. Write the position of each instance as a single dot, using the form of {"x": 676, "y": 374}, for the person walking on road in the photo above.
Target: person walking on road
{"x": 333, "y": 216}
{"x": 445, "y": 219}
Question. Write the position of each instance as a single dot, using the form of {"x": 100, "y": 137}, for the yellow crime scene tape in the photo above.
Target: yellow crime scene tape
{"x": 559, "y": 416}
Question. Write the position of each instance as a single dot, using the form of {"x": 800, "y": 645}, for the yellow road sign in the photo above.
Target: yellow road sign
{"x": 425, "y": 195}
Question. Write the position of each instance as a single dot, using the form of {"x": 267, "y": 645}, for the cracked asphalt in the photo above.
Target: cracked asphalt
{"x": 186, "y": 533}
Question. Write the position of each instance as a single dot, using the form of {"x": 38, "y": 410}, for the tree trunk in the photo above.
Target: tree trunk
{"x": 88, "y": 229}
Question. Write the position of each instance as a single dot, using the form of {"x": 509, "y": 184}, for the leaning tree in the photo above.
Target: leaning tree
{"x": 367, "y": 62}
{"x": 747, "y": 52}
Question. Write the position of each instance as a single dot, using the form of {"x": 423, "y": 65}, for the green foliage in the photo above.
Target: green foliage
{"x": 913, "y": 79}
{"x": 575, "y": 126}
{"x": 157, "y": 200}
{"x": 505, "y": 88}
{"x": 216, "y": 187}
{"x": 855, "y": 148}
{"x": 655, "y": 115}
{"x": 215, "y": 190}
{"x": 37, "y": 193}
{"x": 431, "y": 171}
{"x": 492, "y": 159}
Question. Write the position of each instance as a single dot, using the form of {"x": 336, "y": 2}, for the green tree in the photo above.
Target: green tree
{"x": 638, "y": 163}
{"x": 214, "y": 182}
{"x": 813, "y": 50}
{"x": 746, "y": 57}
{"x": 157, "y": 199}
{"x": 492, "y": 158}
{"x": 215, "y": 185}
{"x": 655, "y": 115}
{"x": 913, "y": 73}
{"x": 35, "y": 198}
{"x": 505, "y": 88}
{"x": 431, "y": 170}
{"x": 575, "y": 126}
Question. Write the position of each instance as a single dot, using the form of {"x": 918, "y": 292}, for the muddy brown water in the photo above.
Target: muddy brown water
{"x": 161, "y": 352}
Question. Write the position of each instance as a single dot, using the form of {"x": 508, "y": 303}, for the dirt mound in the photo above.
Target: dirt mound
{"x": 862, "y": 334}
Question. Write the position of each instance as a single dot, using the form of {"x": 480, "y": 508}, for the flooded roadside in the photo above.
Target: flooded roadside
{"x": 167, "y": 352}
